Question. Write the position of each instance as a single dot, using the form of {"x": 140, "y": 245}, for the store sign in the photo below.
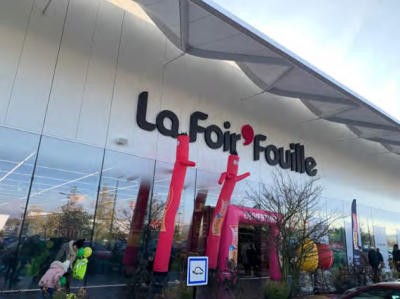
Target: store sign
{"x": 167, "y": 123}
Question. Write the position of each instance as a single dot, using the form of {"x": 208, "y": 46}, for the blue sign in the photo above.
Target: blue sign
{"x": 197, "y": 271}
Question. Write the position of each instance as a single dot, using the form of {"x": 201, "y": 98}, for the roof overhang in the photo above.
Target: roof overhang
{"x": 201, "y": 28}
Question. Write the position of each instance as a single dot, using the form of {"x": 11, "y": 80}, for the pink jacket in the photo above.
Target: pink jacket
{"x": 51, "y": 279}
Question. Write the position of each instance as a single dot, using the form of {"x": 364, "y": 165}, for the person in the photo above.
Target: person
{"x": 363, "y": 268}
{"x": 373, "y": 260}
{"x": 252, "y": 257}
{"x": 50, "y": 281}
{"x": 80, "y": 266}
{"x": 245, "y": 260}
{"x": 396, "y": 257}
{"x": 68, "y": 251}
{"x": 381, "y": 264}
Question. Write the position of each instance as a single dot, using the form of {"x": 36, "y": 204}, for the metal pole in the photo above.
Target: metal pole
{"x": 114, "y": 203}
{"x": 194, "y": 292}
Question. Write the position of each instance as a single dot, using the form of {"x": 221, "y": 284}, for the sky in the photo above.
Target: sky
{"x": 355, "y": 42}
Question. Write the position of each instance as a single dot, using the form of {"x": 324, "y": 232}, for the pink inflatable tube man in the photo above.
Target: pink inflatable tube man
{"x": 166, "y": 235}
{"x": 229, "y": 241}
{"x": 229, "y": 178}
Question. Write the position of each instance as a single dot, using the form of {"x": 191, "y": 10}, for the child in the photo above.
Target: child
{"x": 51, "y": 279}
{"x": 79, "y": 268}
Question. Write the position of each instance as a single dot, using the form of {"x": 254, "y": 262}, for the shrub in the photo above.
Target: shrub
{"x": 277, "y": 290}
{"x": 179, "y": 290}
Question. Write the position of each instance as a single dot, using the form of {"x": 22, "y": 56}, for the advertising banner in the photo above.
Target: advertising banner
{"x": 349, "y": 242}
{"x": 381, "y": 243}
{"x": 355, "y": 236}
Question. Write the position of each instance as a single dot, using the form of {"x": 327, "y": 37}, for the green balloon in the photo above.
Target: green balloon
{"x": 80, "y": 252}
{"x": 63, "y": 281}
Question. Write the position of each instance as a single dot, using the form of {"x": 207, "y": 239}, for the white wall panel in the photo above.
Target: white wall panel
{"x": 166, "y": 146}
{"x": 14, "y": 18}
{"x": 35, "y": 71}
{"x": 98, "y": 90}
{"x": 140, "y": 68}
{"x": 72, "y": 69}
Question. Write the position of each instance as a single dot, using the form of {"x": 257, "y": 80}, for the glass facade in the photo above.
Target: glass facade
{"x": 53, "y": 191}
{"x": 18, "y": 152}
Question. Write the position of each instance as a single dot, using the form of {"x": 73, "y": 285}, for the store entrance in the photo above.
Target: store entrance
{"x": 253, "y": 250}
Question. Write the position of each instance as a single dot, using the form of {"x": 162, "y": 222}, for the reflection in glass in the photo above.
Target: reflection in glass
{"x": 206, "y": 197}
{"x": 61, "y": 205}
{"x": 243, "y": 190}
{"x": 366, "y": 230}
{"x": 208, "y": 182}
{"x": 120, "y": 216}
{"x": 17, "y": 157}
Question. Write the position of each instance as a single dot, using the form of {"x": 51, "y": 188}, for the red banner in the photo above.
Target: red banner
{"x": 194, "y": 232}
{"x": 137, "y": 222}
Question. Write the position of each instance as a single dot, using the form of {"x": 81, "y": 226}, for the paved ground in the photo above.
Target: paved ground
{"x": 109, "y": 294}
{"x": 94, "y": 293}
{"x": 333, "y": 296}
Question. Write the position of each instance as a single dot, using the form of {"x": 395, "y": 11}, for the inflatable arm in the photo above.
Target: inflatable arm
{"x": 166, "y": 235}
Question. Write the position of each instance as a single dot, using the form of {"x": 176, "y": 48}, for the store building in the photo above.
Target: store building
{"x": 78, "y": 142}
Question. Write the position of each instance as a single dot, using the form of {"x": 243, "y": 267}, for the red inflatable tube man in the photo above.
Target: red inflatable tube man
{"x": 166, "y": 235}
{"x": 229, "y": 178}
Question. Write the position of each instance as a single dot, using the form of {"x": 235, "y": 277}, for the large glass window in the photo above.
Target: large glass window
{"x": 207, "y": 193}
{"x": 17, "y": 157}
{"x": 61, "y": 206}
{"x": 366, "y": 228}
{"x": 120, "y": 217}
{"x": 116, "y": 201}
{"x": 243, "y": 191}
{"x": 335, "y": 208}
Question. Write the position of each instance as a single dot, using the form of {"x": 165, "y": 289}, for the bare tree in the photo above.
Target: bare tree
{"x": 296, "y": 209}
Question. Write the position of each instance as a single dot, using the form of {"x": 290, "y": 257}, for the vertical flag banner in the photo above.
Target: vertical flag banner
{"x": 349, "y": 242}
{"x": 381, "y": 243}
{"x": 167, "y": 229}
{"x": 354, "y": 230}
{"x": 229, "y": 178}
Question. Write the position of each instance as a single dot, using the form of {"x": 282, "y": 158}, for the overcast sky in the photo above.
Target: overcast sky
{"x": 357, "y": 42}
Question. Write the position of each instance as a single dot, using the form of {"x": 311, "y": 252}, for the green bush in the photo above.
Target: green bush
{"x": 180, "y": 291}
{"x": 277, "y": 290}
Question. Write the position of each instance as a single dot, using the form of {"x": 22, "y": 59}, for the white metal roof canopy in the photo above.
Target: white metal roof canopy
{"x": 201, "y": 28}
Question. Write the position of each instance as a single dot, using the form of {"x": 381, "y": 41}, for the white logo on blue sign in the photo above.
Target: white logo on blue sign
{"x": 197, "y": 271}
